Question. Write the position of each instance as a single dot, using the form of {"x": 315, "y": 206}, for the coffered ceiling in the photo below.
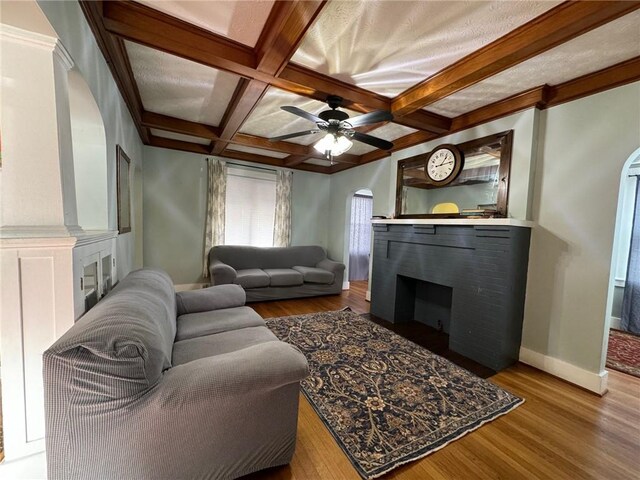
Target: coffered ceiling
{"x": 210, "y": 77}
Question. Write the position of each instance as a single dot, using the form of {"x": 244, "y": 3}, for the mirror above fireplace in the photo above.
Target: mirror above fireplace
{"x": 480, "y": 190}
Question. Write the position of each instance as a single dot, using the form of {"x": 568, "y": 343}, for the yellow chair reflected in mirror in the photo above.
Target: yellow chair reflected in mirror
{"x": 445, "y": 208}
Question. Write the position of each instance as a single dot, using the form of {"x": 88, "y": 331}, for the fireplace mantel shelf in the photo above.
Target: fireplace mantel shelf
{"x": 510, "y": 222}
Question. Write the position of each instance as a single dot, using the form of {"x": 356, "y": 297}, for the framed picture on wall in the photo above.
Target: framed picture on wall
{"x": 123, "y": 165}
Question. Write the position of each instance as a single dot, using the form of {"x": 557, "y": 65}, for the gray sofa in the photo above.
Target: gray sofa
{"x": 276, "y": 273}
{"x": 131, "y": 391}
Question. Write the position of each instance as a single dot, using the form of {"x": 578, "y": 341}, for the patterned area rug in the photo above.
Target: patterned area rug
{"x": 386, "y": 400}
{"x": 624, "y": 352}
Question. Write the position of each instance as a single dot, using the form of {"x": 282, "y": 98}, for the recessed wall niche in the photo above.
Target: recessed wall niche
{"x": 89, "y": 155}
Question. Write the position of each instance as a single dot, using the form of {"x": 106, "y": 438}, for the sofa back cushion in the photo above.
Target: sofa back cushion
{"x": 244, "y": 257}
{"x": 122, "y": 345}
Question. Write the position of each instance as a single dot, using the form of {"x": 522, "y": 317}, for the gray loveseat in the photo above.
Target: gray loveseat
{"x": 131, "y": 391}
{"x": 276, "y": 273}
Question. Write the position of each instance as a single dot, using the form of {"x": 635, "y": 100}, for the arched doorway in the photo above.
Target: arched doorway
{"x": 360, "y": 235}
{"x": 622, "y": 335}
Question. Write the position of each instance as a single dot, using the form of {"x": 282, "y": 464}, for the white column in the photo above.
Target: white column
{"x": 38, "y": 224}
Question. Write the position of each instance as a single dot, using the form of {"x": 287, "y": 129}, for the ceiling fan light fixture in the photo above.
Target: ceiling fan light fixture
{"x": 334, "y": 144}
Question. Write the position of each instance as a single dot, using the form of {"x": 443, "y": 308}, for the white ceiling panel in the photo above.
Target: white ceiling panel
{"x": 179, "y": 136}
{"x": 268, "y": 120}
{"x": 257, "y": 151}
{"x": 241, "y": 21}
{"x": 612, "y": 43}
{"x": 389, "y": 46}
{"x": 180, "y": 88}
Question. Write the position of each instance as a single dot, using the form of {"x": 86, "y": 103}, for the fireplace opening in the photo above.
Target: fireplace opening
{"x": 425, "y": 302}
{"x": 423, "y": 315}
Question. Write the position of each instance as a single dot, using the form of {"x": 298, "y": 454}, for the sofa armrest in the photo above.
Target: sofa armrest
{"x": 212, "y": 298}
{"x": 334, "y": 267}
{"x": 221, "y": 273}
{"x": 206, "y": 381}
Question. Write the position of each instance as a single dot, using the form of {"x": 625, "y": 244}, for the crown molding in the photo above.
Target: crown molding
{"x": 20, "y": 35}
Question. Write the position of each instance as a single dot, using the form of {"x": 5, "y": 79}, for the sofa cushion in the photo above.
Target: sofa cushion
{"x": 284, "y": 277}
{"x": 211, "y": 298}
{"x": 194, "y": 325}
{"x": 186, "y": 351}
{"x": 252, "y": 278}
{"x": 316, "y": 275}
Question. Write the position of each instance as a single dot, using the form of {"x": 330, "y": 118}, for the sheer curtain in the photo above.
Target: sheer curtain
{"x": 282, "y": 222}
{"x": 360, "y": 237}
{"x": 214, "y": 221}
{"x": 630, "y": 320}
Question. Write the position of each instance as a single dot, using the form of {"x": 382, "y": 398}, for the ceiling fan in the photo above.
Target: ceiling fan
{"x": 340, "y": 130}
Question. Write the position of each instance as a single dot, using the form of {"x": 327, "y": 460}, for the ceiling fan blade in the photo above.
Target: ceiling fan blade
{"x": 371, "y": 117}
{"x": 373, "y": 141}
{"x": 301, "y": 113}
{"x": 293, "y": 135}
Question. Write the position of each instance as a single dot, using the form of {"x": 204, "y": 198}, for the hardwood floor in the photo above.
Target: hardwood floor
{"x": 561, "y": 432}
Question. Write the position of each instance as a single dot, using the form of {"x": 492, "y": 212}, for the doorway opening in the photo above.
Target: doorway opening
{"x": 622, "y": 335}
{"x": 360, "y": 235}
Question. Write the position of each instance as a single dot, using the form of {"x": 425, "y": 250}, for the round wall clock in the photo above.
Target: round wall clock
{"x": 444, "y": 164}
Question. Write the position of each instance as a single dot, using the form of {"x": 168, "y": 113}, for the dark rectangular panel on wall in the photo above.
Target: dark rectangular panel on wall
{"x": 484, "y": 268}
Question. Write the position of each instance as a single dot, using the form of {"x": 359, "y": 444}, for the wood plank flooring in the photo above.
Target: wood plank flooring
{"x": 561, "y": 432}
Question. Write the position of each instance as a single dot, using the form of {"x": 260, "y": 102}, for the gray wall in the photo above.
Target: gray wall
{"x": 174, "y": 192}
{"x": 583, "y": 148}
{"x": 73, "y": 30}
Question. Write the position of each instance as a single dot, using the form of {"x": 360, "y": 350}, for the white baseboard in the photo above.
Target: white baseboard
{"x": 367, "y": 296}
{"x": 614, "y": 322}
{"x": 345, "y": 285}
{"x": 594, "y": 382}
{"x": 190, "y": 286}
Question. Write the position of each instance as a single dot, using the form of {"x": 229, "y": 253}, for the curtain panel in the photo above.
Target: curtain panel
{"x": 630, "y": 320}
{"x": 282, "y": 220}
{"x": 360, "y": 237}
{"x": 214, "y": 221}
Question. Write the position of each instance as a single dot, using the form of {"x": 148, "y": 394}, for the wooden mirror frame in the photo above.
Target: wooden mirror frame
{"x": 506, "y": 147}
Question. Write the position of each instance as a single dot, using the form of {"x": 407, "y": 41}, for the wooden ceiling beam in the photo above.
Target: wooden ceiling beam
{"x": 265, "y": 144}
{"x": 310, "y": 167}
{"x": 284, "y": 30}
{"x": 178, "y": 125}
{"x": 541, "y": 97}
{"x": 115, "y": 54}
{"x": 268, "y": 63}
{"x": 252, "y": 157}
{"x": 293, "y": 160}
{"x": 423, "y": 120}
{"x": 309, "y": 83}
{"x": 534, "y": 97}
{"x": 554, "y": 27}
{"x": 142, "y": 24}
{"x": 244, "y": 100}
{"x": 178, "y": 145}
{"x": 285, "y": 27}
{"x": 611, "y": 77}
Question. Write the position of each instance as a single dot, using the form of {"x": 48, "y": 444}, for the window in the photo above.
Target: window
{"x": 250, "y": 207}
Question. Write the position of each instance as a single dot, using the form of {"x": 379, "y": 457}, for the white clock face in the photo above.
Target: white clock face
{"x": 441, "y": 164}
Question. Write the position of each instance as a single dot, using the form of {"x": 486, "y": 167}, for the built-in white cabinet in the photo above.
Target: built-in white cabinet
{"x": 94, "y": 269}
